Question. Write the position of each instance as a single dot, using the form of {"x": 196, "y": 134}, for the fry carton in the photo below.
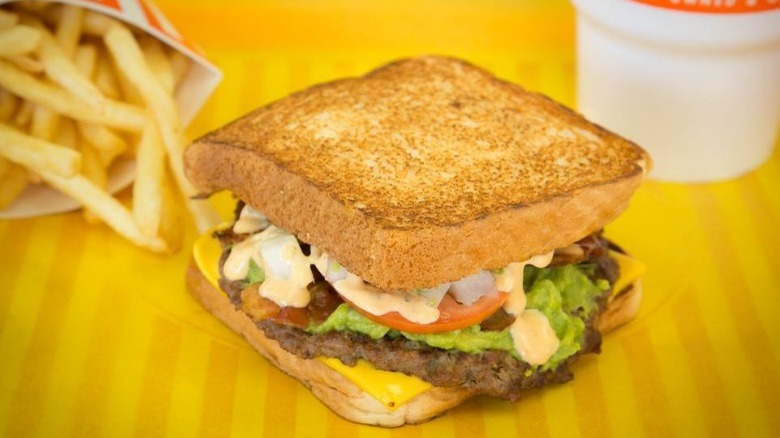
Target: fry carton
{"x": 193, "y": 87}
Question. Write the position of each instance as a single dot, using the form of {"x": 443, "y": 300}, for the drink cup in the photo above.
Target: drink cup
{"x": 695, "y": 82}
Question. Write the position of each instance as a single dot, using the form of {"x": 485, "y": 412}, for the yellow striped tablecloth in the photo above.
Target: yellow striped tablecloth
{"x": 98, "y": 337}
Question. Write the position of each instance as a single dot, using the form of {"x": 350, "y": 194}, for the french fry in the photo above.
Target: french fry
{"x": 8, "y": 19}
{"x": 105, "y": 78}
{"x": 68, "y": 30}
{"x": 106, "y": 142}
{"x": 12, "y": 183}
{"x": 97, "y": 24}
{"x": 44, "y": 123}
{"x": 51, "y": 16}
{"x": 5, "y": 166}
{"x": 92, "y": 167}
{"x": 18, "y": 40}
{"x": 115, "y": 114}
{"x": 24, "y": 114}
{"x": 149, "y": 178}
{"x": 158, "y": 62}
{"x": 104, "y": 206}
{"x": 8, "y": 105}
{"x": 128, "y": 56}
{"x": 60, "y": 69}
{"x": 95, "y": 172}
{"x": 85, "y": 59}
{"x": 171, "y": 228}
{"x": 27, "y": 63}
{"x": 127, "y": 90}
{"x": 38, "y": 155}
{"x": 66, "y": 134}
{"x": 34, "y": 6}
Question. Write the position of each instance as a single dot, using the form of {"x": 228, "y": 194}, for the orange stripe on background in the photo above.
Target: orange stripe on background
{"x": 651, "y": 400}
{"x": 98, "y": 368}
{"x": 253, "y": 88}
{"x": 299, "y": 75}
{"x": 219, "y": 393}
{"x": 16, "y": 238}
{"x": 754, "y": 340}
{"x": 155, "y": 399}
{"x": 409, "y": 431}
{"x": 281, "y": 399}
{"x": 532, "y": 416}
{"x": 345, "y": 67}
{"x": 589, "y": 398}
{"x": 758, "y": 201}
{"x": 338, "y": 427}
{"x": 36, "y": 371}
{"x": 699, "y": 353}
{"x": 468, "y": 419}
{"x": 527, "y": 74}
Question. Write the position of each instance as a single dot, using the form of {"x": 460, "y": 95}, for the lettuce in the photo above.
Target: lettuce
{"x": 565, "y": 295}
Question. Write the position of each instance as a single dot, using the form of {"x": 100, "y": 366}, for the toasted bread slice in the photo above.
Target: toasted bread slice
{"x": 423, "y": 171}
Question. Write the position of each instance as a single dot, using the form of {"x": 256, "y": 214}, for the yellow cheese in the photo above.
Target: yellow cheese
{"x": 391, "y": 389}
{"x": 206, "y": 252}
{"x": 630, "y": 270}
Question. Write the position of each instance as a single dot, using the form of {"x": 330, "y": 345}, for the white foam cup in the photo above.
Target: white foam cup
{"x": 695, "y": 82}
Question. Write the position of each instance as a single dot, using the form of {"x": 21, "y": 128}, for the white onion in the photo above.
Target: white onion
{"x": 330, "y": 269}
{"x": 470, "y": 289}
{"x": 274, "y": 261}
{"x": 335, "y": 272}
{"x": 434, "y": 295}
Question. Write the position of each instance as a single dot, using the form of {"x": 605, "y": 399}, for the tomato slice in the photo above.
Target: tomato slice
{"x": 453, "y": 315}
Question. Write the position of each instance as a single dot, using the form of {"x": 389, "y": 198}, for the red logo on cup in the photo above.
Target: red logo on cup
{"x": 715, "y": 6}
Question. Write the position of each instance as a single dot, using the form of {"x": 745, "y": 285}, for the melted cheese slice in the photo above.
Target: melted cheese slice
{"x": 389, "y": 388}
{"x": 630, "y": 270}
{"x": 206, "y": 252}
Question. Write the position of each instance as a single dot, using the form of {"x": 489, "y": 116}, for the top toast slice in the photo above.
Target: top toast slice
{"x": 422, "y": 171}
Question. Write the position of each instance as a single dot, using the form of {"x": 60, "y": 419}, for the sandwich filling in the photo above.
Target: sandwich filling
{"x": 495, "y": 332}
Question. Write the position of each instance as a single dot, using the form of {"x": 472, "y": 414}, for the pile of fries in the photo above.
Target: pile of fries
{"x": 80, "y": 90}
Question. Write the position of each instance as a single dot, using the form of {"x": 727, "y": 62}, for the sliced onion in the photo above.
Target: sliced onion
{"x": 434, "y": 295}
{"x": 274, "y": 262}
{"x": 470, "y": 289}
{"x": 330, "y": 269}
{"x": 335, "y": 272}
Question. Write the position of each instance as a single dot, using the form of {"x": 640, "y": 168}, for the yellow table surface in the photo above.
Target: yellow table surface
{"x": 98, "y": 337}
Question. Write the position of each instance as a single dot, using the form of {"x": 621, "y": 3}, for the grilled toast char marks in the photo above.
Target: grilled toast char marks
{"x": 423, "y": 171}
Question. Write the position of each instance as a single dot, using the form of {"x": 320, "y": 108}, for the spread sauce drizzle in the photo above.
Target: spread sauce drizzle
{"x": 532, "y": 334}
{"x": 287, "y": 273}
{"x": 287, "y": 270}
